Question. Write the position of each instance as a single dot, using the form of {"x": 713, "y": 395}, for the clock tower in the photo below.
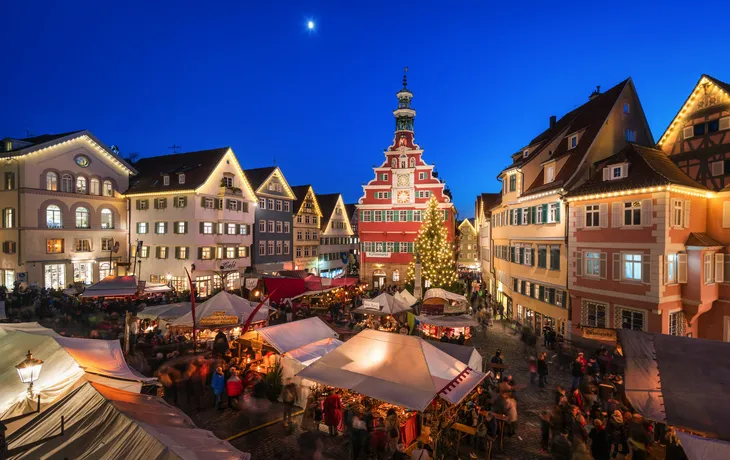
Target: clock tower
{"x": 392, "y": 204}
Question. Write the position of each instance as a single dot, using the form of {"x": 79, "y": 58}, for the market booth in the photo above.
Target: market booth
{"x": 464, "y": 353}
{"x": 406, "y": 297}
{"x": 113, "y": 286}
{"x": 165, "y": 314}
{"x": 435, "y": 326}
{"x": 407, "y": 373}
{"x": 105, "y": 422}
{"x": 224, "y": 311}
{"x": 681, "y": 381}
{"x": 440, "y": 301}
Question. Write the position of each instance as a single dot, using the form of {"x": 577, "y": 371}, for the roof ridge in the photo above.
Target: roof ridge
{"x": 181, "y": 153}
{"x": 656, "y": 152}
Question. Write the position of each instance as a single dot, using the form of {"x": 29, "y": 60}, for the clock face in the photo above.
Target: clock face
{"x": 403, "y": 180}
{"x": 82, "y": 160}
{"x": 404, "y": 197}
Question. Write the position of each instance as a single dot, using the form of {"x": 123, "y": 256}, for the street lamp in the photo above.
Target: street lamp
{"x": 29, "y": 370}
{"x": 169, "y": 278}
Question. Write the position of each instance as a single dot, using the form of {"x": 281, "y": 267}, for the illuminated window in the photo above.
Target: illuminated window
{"x": 53, "y": 217}
{"x": 108, "y": 188}
{"x": 82, "y": 217}
{"x": 51, "y": 181}
{"x": 107, "y": 219}
{"x": 54, "y": 246}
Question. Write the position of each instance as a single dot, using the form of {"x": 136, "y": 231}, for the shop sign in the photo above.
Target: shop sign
{"x": 380, "y": 255}
{"x": 599, "y": 333}
{"x": 371, "y": 305}
{"x": 228, "y": 265}
{"x": 458, "y": 308}
{"x": 251, "y": 283}
{"x": 218, "y": 318}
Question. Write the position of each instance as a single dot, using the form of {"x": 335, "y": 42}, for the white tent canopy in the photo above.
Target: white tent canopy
{"x": 296, "y": 334}
{"x": 104, "y": 422}
{"x": 112, "y": 286}
{"x": 437, "y": 293}
{"x": 382, "y": 305}
{"x": 165, "y": 312}
{"x": 448, "y": 320}
{"x": 403, "y": 370}
{"x": 223, "y": 309}
{"x": 407, "y": 298}
{"x": 466, "y": 354}
{"x": 294, "y": 361}
{"x": 156, "y": 288}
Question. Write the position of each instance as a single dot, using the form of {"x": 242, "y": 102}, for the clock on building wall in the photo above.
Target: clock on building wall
{"x": 403, "y": 180}
{"x": 82, "y": 160}
{"x": 404, "y": 197}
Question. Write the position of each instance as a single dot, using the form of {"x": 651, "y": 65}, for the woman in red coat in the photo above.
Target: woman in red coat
{"x": 332, "y": 412}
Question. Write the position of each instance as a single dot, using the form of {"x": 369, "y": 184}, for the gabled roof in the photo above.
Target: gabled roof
{"x": 258, "y": 177}
{"x": 648, "y": 167}
{"x": 703, "y": 79}
{"x": 197, "y": 167}
{"x": 701, "y": 240}
{"x": 588, "y": 118}
{"x": 327, "y": 203}
{"x": 468, "y": 222}
{"x": 490, "y": 200}
{"x": 351, "y": 210}
{"x": 28, "y": 145}
{"x": 301, "y": 193}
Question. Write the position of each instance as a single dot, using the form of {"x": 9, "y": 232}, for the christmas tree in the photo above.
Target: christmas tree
{"x": 434, "y": 250}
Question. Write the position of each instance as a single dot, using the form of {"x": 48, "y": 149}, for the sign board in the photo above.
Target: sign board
{"x": 228, "y": 265}
{"x": 22, "y": 276}
{"x": 381, "y": 255}
{"x": 251, "y": 283}
{"x": 458, "y": 308}
{"x": 371, "y": 304}
{"x": 600, "y": 333}
{"x": 218, "y": 318}
{"x": 141, "y": 285}
{"x": 326, "y": 282}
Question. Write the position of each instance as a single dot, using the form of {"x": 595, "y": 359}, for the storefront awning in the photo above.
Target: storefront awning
{"x": 112, "y": 286}
{"x": 448, "y": 321}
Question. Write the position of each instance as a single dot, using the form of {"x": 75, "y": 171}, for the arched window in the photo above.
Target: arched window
{"x": 105, "y": 269}
{"x": 108, "y": 188}
{"x": 67, "y": 183}
{"x": 81, "y": 185}
{"x": 413, "y": 162}
{"x": 51, "y": 181}
{"x": 53, "y": 217}
{"x": 95, "y": 189}
{"x": 82, "y": 217}
{"x": 403, "y": 163}
{"x": 394, "y": 163}
{"x": 396, "y": 275}
{"x": 107, "y": 218}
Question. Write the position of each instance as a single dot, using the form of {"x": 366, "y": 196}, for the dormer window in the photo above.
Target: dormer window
{"x": 572, "y": 142}
{"x": 166, "y": 180}
{"x": 627, "y": 107}
{"x": 412, "y": 162}
{"x": 549, "y": 173}
{"x": 181, "y": 178}
{"x": 615, "y": 172}
{"x": 227, "y": 181}
{"x": 525, "y": 153}
{"x": 630, "y": 135}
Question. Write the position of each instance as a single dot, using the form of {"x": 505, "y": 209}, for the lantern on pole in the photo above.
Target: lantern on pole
{"x": 29, "y": 370}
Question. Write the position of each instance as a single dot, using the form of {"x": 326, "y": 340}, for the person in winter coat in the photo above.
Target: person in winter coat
{"x": 234, "y": 386}
{"x": 561, "y": 447}
{"x": 332, "y": 412}
{"x": 674, "y": 447}
{"x": 532, "y": 366}
{"x": 576, "y": 370}
{"x": 379, "y": 439}
{"x": 576, "y": 398}
{"x": 600, "y": 444}
{"x": 511, "y": 413}
{"x": 542, "y": 369}
{"x": 218, "y": 383}
{"x": 220, "y": 344}
{"x": 581, "y": 451}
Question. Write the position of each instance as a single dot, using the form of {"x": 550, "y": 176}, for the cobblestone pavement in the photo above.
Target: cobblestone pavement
{"x": 274, "y": 442}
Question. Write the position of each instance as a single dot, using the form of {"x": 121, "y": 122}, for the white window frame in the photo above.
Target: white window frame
{"x": 707, "y": 268}
{"x": 552, "y": 212}
{"x": 207, "y": 228}
{"x": 590, "y": 210}
{"x": 592, "y": 264}
{"x": 549, "y": 173}
{"x": 634, "y": 208}
{"x": 165, "y": 180}
{"x": 618, "y": 317}
{"x": 630, "y": 258}
{"x": 671, "y": 269}
{"x": 587, "y": 306}
{"x": 677, "y": 213}
{"x": 262, "y": 203}
{"x": 262, "y": 248}
{"x": 572, "y": 142}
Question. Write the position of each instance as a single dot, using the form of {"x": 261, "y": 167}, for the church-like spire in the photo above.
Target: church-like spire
{"x": 404, "y": 116}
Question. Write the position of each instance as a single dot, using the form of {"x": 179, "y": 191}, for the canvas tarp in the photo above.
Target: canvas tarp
{"x": 448, "y": 320}
{"x": 165, "y": 312}
{"x": 382, "y": 305}
{"x": 407, "y": 298}
{"x": 232, "y": 310}
{"x": 296, "y": 334}
{"x": 466, "y": 354}
{"x": 284, "y": 288}
{"x": 294, "y": 361}
{"x": 680, "y": 381}
{"x": 403, "y": 370}
{"x": 112, "y": 286}
{"x": 104, "y": 422}
{"x": 437, "y": 293}
{"x": 156, "y": 288}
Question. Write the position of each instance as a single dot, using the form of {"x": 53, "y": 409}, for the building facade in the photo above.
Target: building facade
{"x": 483, "y": 225}
{"x": 192, "y": 211}
{"x": 307, "y": 217}
{"x": 529, "y": 224}
{"x": 354, "y": 262}
{"x": 274, "y": 217}
{"x": 336, "y": 236}
{"x": 392, "y": 202}
{"x": 63, "y": 214}
{"x": 468, "y": 257}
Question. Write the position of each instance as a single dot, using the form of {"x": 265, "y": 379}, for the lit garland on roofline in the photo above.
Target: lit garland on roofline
{"x": 434, "y": 250}
{"x": 636, "y": 191}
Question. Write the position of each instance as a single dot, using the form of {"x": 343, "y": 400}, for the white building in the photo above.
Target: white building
{"x": 190, "y": 210}
{"x": 336, "y": 235}
{"x": 62, "y": 211}
{"x": 307, "y": 216}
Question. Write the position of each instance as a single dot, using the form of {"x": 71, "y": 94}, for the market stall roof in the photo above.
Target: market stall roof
{"x": 223, "y": 309}
{"x": 104, "y": 422}
{"x": 283, "y": 288}
{"x": 166, "y": 312}
{"x": 306, "y": 293}
{"x": 313, "y": 351}
{"x": 403, "y": 370}
{"x": 290, "y": 336}
{"x": 437, "y": 293}
{"x": 65, "y": 359}
{"x": 317, "y": 283}
{"x": 680, "y": 381}
{"x": 32, "y": 327}
{"x": 382, "y": 305}
{"x": 448, "y": 320}
{"x": 112, "y": 286}
{"x": 466, "y": 354}
{"x": 153, "y": 288}
{"x": 406, "y": 297}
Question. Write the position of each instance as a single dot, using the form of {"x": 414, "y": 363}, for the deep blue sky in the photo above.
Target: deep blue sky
{"x": 248, "y": 74}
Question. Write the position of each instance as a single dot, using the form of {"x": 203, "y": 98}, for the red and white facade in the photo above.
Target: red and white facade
{"x": 393, "y": 203}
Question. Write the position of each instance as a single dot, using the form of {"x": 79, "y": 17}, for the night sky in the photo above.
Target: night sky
{"x": 251, "y": 75}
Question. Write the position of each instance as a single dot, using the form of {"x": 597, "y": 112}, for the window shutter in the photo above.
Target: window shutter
{"x": 646, "y": 268}
{"x": 396, "y": 215}
{"x": 625, "y": 170}
{"x": 682, "y": 268}
{"x": 185, "y": 227}
{"x": 606, "y": 173}
{"x": 174, "y": 227}
{"x": 4, "y": 212}
{"x": 717, "y": 168}
{"x": 687, "y": 204}
{"x": 157, "y": 252}
{"x": 557, "y": 212}
{"x": 579, "y": 263}
{"x": 409, "y": 216}
{"x": 519, "y": 217}
{"x": 202, "y": 202}
{"x": 156, "y": 202}
{"x": 201, "y": 227}
{"x": 511, "y": 211}
{"x": 138, "y": 226}
{"x": 184, "y": 202}
{"x": 139, "y": 206}
{"x": 604, "y": 265}
{"x": 719, "y": 267}
{"x": 220, "y": 203}
{"x": 200, "y": 253}
{"x": 177, "y": 252}
{"x": 616, "y": 215}
{"x": 544, "y": 213}
{"x": 617, "y": 266}
{"x": 541, "y": 293}
{"x": 532, "y": 257}
{"x": 646, "y": 213}
{"x": 174, "y": 202}
{"x": 603, "y": 215}
{"x": 579, "y": 219}
{"x": 726, "y": 214}
{"x": 687, "y": 132}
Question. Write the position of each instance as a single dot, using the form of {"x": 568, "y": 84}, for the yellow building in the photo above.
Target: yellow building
{"x": 468, "y": 246}
{"x": 529, "y": 225}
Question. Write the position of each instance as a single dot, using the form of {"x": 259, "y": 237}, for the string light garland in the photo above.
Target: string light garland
{"x": 434, "y": 249}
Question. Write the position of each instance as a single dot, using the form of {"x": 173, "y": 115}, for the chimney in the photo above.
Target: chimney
{"x": 8, "y": 145}
{"x": 553, "y": 120}
{"x": 595, "y": 93}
